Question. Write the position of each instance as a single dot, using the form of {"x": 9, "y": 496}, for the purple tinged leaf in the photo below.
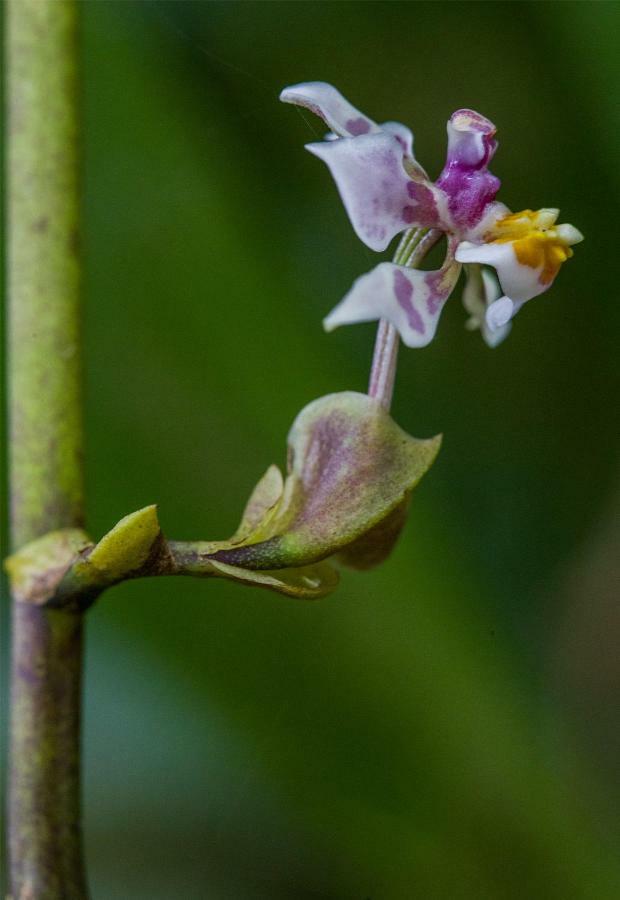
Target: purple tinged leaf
{"x": 351, "y": 472}
{"x": 373, "y": 547}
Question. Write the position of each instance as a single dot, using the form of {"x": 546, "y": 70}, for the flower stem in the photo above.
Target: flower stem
{"x": 385, "y": 357}
{"x": 414, "y": 246}
{"x": 45, "y": 468}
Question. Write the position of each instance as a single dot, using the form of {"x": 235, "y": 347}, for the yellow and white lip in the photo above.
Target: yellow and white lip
{"x": 527, "y": 250}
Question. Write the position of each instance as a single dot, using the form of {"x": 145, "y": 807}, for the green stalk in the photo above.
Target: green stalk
{"x": 45, "y": 459}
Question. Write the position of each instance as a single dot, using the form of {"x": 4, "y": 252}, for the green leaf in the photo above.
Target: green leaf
{"x": 126, "y": 547}
{"x": 120, "y": 554}
{"x": 263, "y": 500}
{"x": 305, "y": 582}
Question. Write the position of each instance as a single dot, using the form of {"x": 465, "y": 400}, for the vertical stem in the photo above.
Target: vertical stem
{"x": 385, "y": 357}
{"x": 412, "y": 249}
{"x": 45, "y": 468}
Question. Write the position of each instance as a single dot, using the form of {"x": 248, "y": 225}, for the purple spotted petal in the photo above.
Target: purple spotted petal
{"x": 408, "y": 298}
{"x": 379, "y": 197}
{"x": 326, "y": 102}
{"x": 465, "y": 177}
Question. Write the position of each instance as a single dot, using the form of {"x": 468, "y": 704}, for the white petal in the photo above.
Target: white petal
{"x": 518, "y": 281}
{"x": 546, "y": 217}
{"x": 499, "y": 313}
{"x": 380, "y": 199}
{"x": 410, "y": 299}
{"x": 325, "y": 101}
{"x": 403, "y": 134}
{"x": 492, "y": 214}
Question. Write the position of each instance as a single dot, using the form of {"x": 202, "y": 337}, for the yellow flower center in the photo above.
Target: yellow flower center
{"x": 537, "y": 241}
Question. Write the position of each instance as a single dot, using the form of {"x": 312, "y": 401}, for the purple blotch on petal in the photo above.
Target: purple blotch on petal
{"x": 425, "y": 210}
{"x": 470, "y": 192}
{"x": 403, "y": 291}
{"x": 369, "y": 172}
{"x": 357, "y": 126}
{"x": 437, "y": 295}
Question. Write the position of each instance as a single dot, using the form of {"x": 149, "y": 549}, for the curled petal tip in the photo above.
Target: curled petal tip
{"x": 568, "y": 234}
{"x": 322, "y": 99}
{"x": 471, "y": 141}
{"x": 548, "y": 216}
{"x": 466, "y": 120}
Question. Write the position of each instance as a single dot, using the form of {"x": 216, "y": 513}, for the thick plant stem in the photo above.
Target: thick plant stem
{"x": 45, "y": 467}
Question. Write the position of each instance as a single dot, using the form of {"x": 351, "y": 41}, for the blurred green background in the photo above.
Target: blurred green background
{"x": 446, "y": 726}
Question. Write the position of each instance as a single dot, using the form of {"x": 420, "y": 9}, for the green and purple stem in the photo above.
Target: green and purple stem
{"x": 413, "y": 247}
{"x": 45, "y": 470}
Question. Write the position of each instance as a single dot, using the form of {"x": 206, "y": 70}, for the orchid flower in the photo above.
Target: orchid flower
{"x": 385, "y": 192}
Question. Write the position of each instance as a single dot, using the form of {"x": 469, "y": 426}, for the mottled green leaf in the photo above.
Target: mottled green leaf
{"x": 263, "y": 500}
